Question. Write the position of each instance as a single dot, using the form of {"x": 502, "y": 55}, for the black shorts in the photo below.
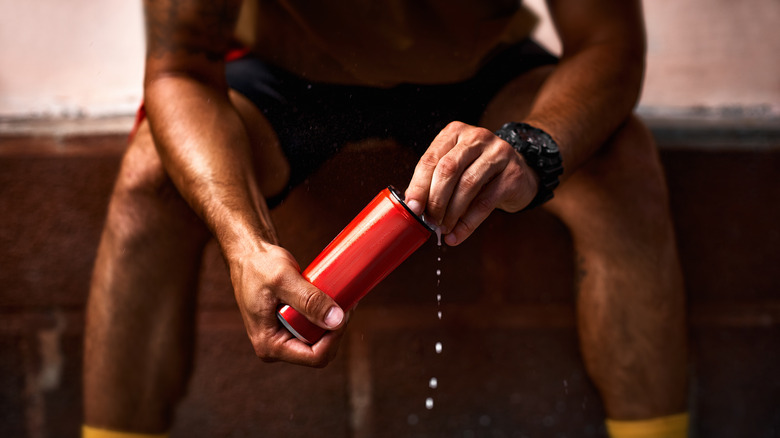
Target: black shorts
{"x": 314, "y": 120}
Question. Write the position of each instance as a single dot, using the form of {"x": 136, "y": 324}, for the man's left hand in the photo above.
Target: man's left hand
{"x": 465, "y": 174}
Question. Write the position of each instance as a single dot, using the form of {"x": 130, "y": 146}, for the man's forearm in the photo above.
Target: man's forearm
{"x": 587, "y": 97}
{"x": 205, "y": 150}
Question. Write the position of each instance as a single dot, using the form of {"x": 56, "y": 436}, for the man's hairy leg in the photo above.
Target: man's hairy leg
{"x": 141, "y": 309}
{"x": 630, "y": 300}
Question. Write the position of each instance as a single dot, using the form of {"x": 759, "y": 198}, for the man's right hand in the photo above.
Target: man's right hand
{"x": 265, "y": 279}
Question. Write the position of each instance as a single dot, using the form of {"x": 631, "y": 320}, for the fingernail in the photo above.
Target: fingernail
{"x": 415, "y": 206}
{"x": 450, "y": 239}
{"x": 334, "y": 317}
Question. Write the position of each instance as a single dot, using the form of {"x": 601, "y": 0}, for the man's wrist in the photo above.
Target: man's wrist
{"x": 241, "y": 240}
{"x": 540, "y": 152}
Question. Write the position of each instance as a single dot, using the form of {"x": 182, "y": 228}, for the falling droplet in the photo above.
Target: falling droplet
{"x": 433, "y": 383}
{"x": 438, "y": 347}
{"x": 439, "y": 314}
{"x": 429, "y": 403}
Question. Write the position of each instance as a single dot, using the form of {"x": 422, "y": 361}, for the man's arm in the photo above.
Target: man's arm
{"x": 468, "y": 172}
{"x": 205, "y": 149}
{"x": 598, "y": 80}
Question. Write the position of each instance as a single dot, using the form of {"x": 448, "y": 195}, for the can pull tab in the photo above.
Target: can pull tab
{"x": 433, "y": 227}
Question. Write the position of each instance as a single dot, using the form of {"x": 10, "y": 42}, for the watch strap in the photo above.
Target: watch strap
{"x": 540, "y": 152}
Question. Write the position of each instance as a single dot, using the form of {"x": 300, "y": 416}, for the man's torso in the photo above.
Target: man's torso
{"x": 382, "y": 43}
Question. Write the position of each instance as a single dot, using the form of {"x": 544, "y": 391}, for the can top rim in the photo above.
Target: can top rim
{"x": 397, "y": 195}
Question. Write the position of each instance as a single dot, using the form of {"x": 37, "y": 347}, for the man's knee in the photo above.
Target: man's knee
{"x": 144, "y": 197}
{"x": 620, "y": 189}
{"x": 272, "y": 169}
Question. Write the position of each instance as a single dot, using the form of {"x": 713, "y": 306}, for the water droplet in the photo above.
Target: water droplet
{"x": 429, "y": 403}
{"x": 438, "y": 347}
{"x": 433, "y": 383}
{"x": 438, "y": 298}
{"x": 438, "y": 259}
{"x": 438, "y": 272}
{"x": 439, "y": 314}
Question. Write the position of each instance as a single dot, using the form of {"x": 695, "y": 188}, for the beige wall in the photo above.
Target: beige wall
{"x": 84, "y": 57}
{"x": 706, "y": 57}
{"x": 70, "y": 58}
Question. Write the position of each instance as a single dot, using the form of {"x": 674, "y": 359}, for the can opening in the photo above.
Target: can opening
{"x": 400, "y": 198}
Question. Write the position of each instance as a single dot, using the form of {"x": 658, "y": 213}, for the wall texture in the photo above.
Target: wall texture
{"x": 73, "y": 58}
{"x": 84, "y": 58}
{"x": 706, "y": 57}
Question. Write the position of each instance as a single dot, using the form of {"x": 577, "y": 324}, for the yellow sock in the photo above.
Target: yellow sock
{"x": 672, "y": 426}
{"x": 93, "y": 432}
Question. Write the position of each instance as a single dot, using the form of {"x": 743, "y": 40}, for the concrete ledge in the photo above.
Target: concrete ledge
{"x": 62, "y": 127}
{"x": 737, "y": 129}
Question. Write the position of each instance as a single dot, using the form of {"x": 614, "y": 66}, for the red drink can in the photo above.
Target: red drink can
{"x": 377, "y": 240}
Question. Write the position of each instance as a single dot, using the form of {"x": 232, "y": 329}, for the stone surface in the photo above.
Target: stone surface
{"x": 514, "y": 373}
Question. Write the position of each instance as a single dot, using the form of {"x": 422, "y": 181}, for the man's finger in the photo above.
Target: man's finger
{"x": 472, "y": 182}
{"x": 479, "y": 210}
{"x": 420, "y": 185}
{"x": 315, "y": 305}
{"x": 448, "y": 180}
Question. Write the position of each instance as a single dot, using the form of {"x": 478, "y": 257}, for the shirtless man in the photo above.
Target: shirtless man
{"x": 222, "y": 137}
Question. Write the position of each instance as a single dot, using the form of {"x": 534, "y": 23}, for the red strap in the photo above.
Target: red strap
{"x": 140, "y": 115}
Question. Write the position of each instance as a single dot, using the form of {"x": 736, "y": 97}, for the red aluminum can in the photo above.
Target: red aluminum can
{"x": 377, "y": 240}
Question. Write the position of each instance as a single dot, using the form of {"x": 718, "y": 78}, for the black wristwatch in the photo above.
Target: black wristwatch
{"x": 540, "y": 152}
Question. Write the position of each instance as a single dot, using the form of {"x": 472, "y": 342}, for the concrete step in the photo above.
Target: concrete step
{"x": 515, "y": 374}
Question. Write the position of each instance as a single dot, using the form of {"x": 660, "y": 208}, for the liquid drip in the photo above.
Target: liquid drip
{"x": 433, "y": 382}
